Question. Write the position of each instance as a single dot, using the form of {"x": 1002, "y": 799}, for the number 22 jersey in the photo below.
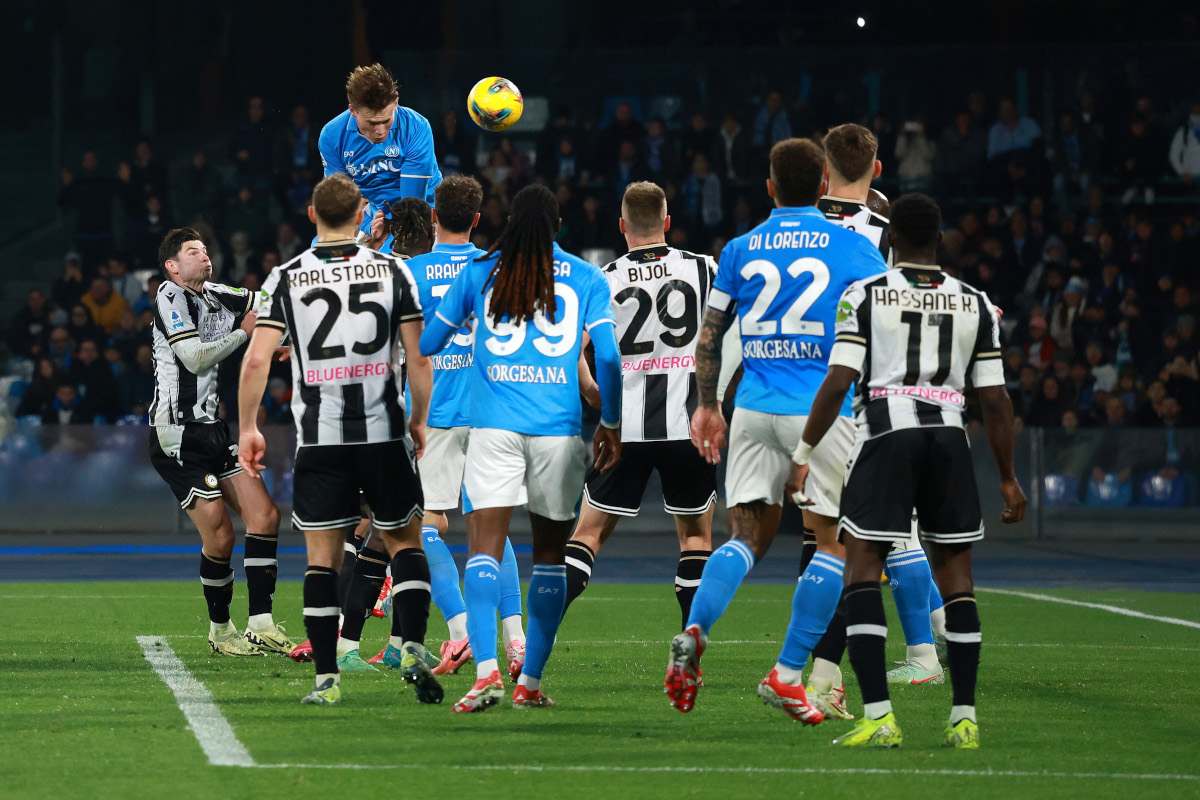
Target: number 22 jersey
{"x": 784, "y": 279}
{"x": 343, "y": 305}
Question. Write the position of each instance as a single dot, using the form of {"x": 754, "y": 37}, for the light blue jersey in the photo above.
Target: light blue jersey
{"x": 434, "y": 273}
{"x": 402, "y": 165}
{"x": 526, "y": 376}
{"x": 784, "y": 279}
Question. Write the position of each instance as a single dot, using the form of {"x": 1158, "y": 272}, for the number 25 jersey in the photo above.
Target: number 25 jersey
{"x": 784, "y": 279}
{"x": 343, "y": 305}
{"x": 527, "y": 375}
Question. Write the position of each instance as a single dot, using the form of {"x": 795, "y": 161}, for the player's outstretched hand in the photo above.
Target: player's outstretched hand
{"x": 248, "y": 323}
{"x": 417, "y": 431}
{"x": 795, "y": 485}
{"x": 606, "y": 448}
{"x": 708, "y": 432}
{"x": 252, "y": 449}
{"x": 283, "y": 353}
{"x": 1014, "y": 502}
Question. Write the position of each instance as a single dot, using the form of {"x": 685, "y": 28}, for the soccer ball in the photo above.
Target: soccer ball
{"x": 495, "y": 104}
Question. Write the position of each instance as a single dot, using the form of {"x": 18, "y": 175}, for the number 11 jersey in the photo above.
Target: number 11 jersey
{"x": 342, "y": 305}
{"x": 783, "y": 279}
{"x": 659, "y": 295}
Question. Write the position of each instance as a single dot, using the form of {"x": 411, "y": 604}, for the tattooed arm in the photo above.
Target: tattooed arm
{"x": 708, "y": 424}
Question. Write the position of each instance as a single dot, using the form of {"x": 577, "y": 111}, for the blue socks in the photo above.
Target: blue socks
{"x": 443, "y": 574}
{"x": 547, "y": 599}
{"x": 912, "y": 587}
{"x": 510, "y": 584}
{"x": 816, "y": 598}
{"x": 723, "y": 574}
{"x": 482, "y": 586}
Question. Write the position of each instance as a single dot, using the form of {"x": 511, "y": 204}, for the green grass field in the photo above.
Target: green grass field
{"x": 1077, "y": 702}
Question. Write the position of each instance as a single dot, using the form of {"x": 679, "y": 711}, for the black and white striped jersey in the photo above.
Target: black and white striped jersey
{"x": 917, "y": 338}
{"x": 342, "y": 305}
{"x": 180, "y": 315}
{"x": 659, "y": 294}
{"x": 855, "y": 216}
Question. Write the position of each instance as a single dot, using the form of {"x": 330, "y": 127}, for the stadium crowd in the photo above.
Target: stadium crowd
{"x": 1075, "y": 229}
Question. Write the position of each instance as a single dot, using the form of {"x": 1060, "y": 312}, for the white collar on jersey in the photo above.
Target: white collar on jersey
{"x": 843, "y": 199}
{"x": 911, "y": 265}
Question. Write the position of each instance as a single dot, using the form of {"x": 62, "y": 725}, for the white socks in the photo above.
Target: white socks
{"x": 877, "y": 710}
{"x": 925, "y": 655}
{"x": 825, "y": 675}
{"x": 789, "y": 675}
{"x": 484, "y": 669}
{"x": 959, "y": 713}
{"x": 395, "y": 641}
{"x": 511, "y": 627}
{"x": 216, "y": 629}
{"x": 345, "y": 646}
{"x": 260, "y": 622}
{"x": 458, "y": 627}
{"x": 937, "y": 618}
{"x": 532, "y": 684}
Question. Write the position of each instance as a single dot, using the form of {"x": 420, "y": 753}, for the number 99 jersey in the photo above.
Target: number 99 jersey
{"x": 527, "y": 375}
{"x": 659, "y": 294}
{"x": 784, "y": 279}
{"x": 343, "y": 305}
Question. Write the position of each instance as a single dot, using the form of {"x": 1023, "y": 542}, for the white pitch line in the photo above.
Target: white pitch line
{"x": 208, "y": 724}
{"x": 610, "y": 768}
{"x": 1124, "y": 612}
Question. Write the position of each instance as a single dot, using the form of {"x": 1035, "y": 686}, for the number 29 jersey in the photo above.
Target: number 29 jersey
{"x": 342, "y": 305}
{"x": 785, "y": 278}
{"x": 659, "y": 294}
{"x": 527, "y": 375}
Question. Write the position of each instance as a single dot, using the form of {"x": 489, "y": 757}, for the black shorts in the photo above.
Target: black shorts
{"x": 329, "y": 479}
{"x": 194, "y": 458}
{"x": 928, "y": 469}
{"x": 689, "y": 483}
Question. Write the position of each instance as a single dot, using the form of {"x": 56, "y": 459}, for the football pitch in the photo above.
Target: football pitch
{"x": 1074, "y": 701}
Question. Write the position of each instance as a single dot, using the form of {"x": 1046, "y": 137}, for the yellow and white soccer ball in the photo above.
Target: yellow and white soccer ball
{"x": 495, "y": 104}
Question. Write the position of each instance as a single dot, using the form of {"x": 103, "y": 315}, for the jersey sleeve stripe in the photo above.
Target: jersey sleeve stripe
{"x": 179, "y": 337}
{"x": 850, "y": 337}
{"x": 718, "y": 299}
{"x": 451, "y": 323}
{"x": 411, "y": 317}
{"x": 264, "y": 322}
{"x": 605, "y": 320}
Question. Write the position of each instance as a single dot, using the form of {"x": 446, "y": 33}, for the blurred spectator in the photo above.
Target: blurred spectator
{"x": 287, "y": 243}
{"x": 455, "y": 146}
{"x": 733, "y": 151}
{"x": 128, "y": 336}
{"x": 1011, "y": 132}
{"x": 1065, "y": 314}
{"x": 146, "y": 301}
{"x": 30, "y": 328}
{"x": 147, "y": 230}
{"x": 250, "y": 147}
{"x": 136, "y": 384}
{"x": 1104, "y": 374}
{"x": 1046, "y": 410}
{"x": 81, "y": 325}
{"x": 914, "y": 158}
{"x": 624, "y": 128}
{"x": 698, "y": 140}
{"x": 1039, "y": 353}
{"x": 296, "y": 144}
{"x": 197, "y": 190}
{"x": 67, "y": 408}
{"x": 629, "y": 168}
{"x": 702, "y": 196}
{"x": 106, "y": 307}
{"x": 277, "y": 402}
{"x": 246, "y": 212}
{"x": 771, "y": 124}
{"x": 123, "y": 282}
{"x": 94, "y": 380}
{"x": 961, "y": 150}
{"x": 1185, "y": 147}
{"x": 90, "y": 195}
{"x": 40, "y": 393}
{"x": 660, "y": 152}
{"x": 242, "y": 258}
{"x": 61, "y": 348}
{"x": 67, "y": 290}
{"x": 1140, "y": 158}
{"x": 147, "y": 174}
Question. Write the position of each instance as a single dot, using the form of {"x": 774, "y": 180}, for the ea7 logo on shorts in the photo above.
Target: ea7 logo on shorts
{"x": 547, "y": 590}
{"x": 391, "y": 152}
{"x": 491, "y": 576}
{"x": 809, "y": 576}
{"x": 347, "y": 154}
{"x": 210, "y": 481}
